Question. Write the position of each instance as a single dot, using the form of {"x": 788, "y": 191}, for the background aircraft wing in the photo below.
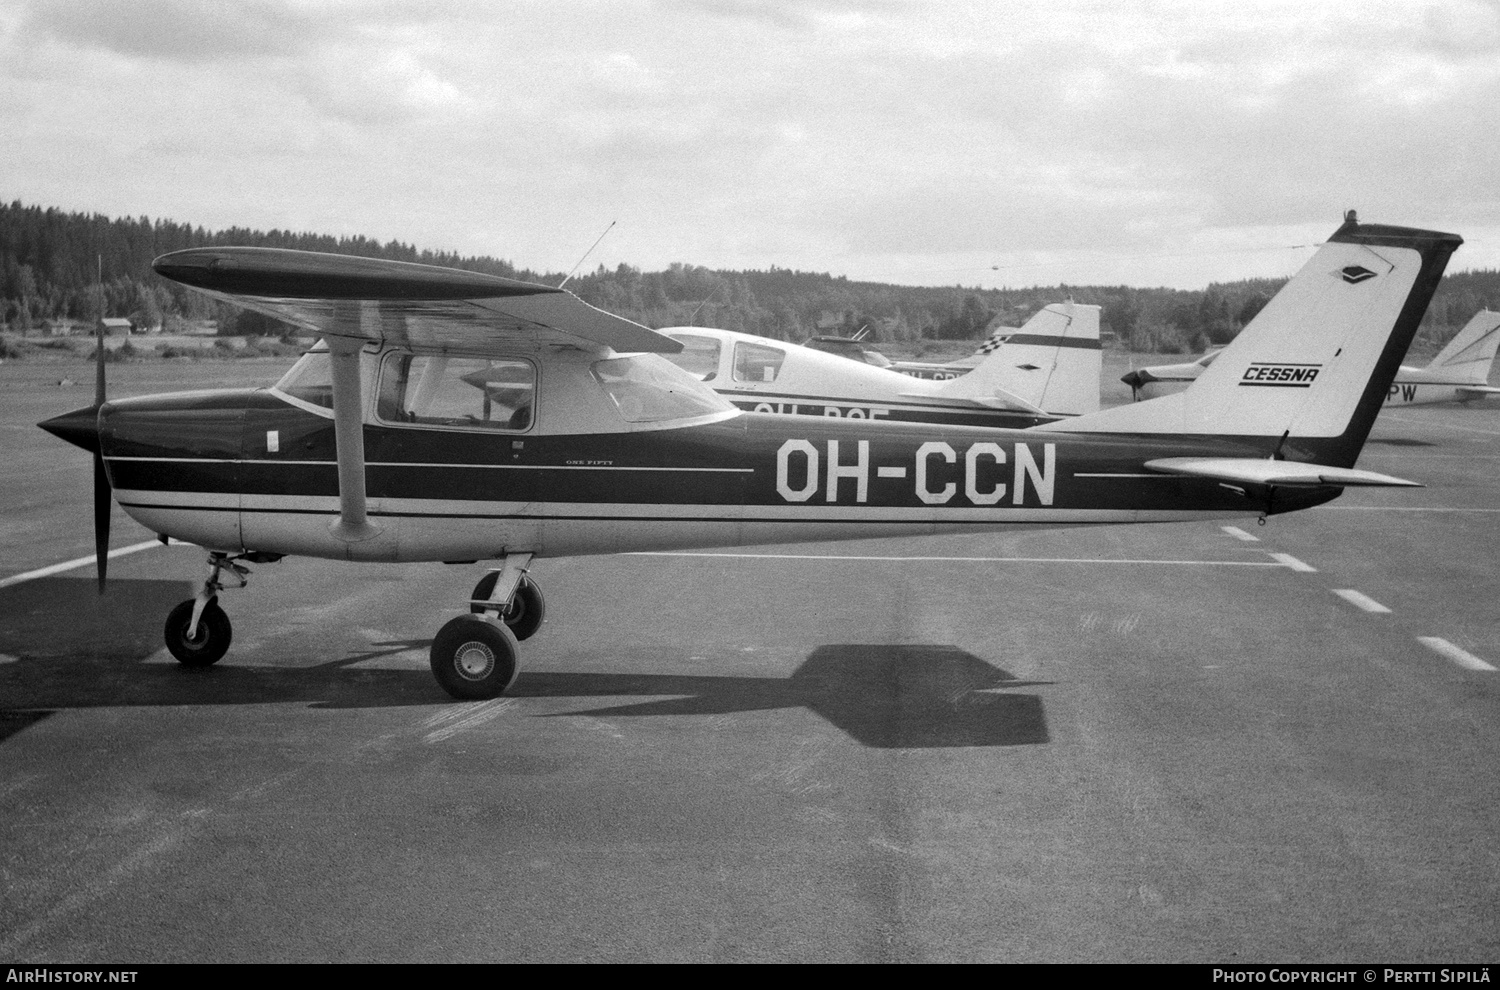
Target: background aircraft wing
{"x": 994, "y": 398}
{"x": 421, "y": 306}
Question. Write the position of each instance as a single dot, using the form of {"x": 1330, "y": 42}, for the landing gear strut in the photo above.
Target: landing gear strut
{"x": 197, "y": 631}
{"x": 476, "y": 656}
{"x": 524, "y": 613}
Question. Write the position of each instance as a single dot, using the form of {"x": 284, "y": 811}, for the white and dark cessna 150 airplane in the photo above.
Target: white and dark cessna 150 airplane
{"x": 1459, "y": 373}
{"x": 462, "y": 417}
{"x": 1045, "y": 376}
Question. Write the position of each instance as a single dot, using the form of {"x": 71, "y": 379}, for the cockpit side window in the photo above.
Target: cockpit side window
{"x": 756, "y": 362}
{"x": 470, "y": 393}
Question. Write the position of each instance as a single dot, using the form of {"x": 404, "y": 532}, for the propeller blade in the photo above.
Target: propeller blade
{"x": 102, "y": 505}
{"x": 102, "y": 498}
{"x": 99, "y": 371}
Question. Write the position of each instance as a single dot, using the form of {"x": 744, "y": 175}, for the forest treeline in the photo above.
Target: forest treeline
{"x": 56, "y": 266}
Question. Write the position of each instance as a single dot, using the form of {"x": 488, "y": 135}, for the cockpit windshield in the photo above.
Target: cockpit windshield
{"x": 647, "y": 388}
{"x": 311, "y": 378}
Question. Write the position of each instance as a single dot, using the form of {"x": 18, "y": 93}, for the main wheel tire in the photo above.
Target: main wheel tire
{"x": 475, "y": 657}
{"x": 527, "y": 607}
{"x": 212, "y": 639}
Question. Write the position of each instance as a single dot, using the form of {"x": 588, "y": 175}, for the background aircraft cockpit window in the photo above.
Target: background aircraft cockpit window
{"x": 441, "y": 390}
{"x": 646, "y": 388}
{"x": 699, "y": 356}
{"x": 311, "y": 378}
{"x": 756, "y": 362}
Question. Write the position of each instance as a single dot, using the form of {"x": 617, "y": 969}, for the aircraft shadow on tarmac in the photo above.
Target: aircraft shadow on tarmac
{"x": 67, "y": 647}
{"x": 910, "y": 696}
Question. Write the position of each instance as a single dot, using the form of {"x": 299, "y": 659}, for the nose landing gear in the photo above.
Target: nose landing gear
{"x": 197, "y": 631}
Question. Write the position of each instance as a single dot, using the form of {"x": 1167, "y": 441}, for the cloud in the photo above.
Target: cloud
{"x": 754, "y": 133}
{"x": 189, "y": 31}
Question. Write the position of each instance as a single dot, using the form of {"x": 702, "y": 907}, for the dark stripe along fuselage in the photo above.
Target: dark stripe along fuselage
{"x": 949, "y": 414}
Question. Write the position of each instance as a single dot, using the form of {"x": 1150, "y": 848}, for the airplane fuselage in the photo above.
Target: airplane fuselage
{"x": 246, "y": 470}
{"x": 1422, "y": 386}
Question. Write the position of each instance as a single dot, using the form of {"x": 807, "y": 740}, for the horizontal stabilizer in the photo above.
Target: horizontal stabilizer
{"x": 1477, "y": 391}
{"x": 1261, "y": 471}
{"x": 997, "y": 398}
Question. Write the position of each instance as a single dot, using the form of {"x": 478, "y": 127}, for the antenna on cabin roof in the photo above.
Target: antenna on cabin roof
{"x": 705, "y": 302}
{"x": 587, "y": 253}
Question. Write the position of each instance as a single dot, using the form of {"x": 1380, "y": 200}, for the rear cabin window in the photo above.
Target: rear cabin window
{"x": 472, "y": 393}
{"x": 756, "y": 362}
{"x": 310, "y": 379}
{"x": 699, "y": 356}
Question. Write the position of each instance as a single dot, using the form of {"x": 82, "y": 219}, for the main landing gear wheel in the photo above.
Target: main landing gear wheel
{"x": 211, "y": 641}
{"x": 526, "y": 610}
{"x": 475, "y": 657}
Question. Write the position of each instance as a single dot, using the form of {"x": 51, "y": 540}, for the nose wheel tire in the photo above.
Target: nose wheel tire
{"x": 527, "y": 607}
{"x": 475, "y": 657}
{"x": 211, "y": 640}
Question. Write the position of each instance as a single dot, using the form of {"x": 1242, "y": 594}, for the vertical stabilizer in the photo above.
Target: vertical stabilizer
{"x": 1468, "y": 356}
{"x": 1306, "y": 378}
{"x": 1053, "y": 362}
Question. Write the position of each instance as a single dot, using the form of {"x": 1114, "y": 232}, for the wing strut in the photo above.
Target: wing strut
{"x": 352, "y": 525}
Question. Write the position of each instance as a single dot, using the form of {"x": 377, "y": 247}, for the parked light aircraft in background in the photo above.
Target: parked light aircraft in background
{"x": 1164, "y": 379}
{"x": 1459, "y": 373}
{"x": 1048, "y": 326}
{"x": 1042, "y": 378}
{"x": 462, "y": 417}
{"x": 943, "y": 370}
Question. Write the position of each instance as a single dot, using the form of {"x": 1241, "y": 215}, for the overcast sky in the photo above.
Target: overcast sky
{"x": 982, "y": 143}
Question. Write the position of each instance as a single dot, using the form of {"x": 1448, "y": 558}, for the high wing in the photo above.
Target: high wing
{"x": 351, "y": 301}
{"x": 424, "y": 307}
